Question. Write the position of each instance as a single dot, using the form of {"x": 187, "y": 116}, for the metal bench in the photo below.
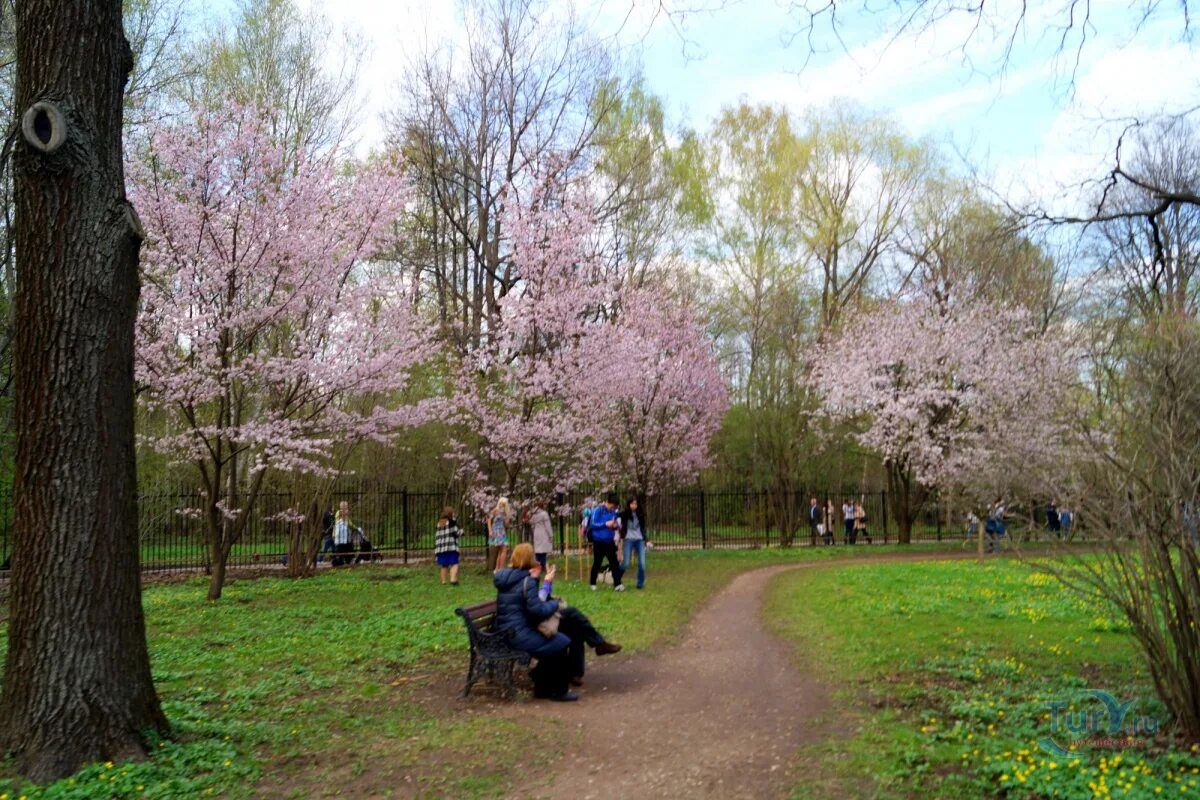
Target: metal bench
{"x": 491, "y": 653}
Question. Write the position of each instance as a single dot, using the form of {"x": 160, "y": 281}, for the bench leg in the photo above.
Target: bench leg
{"x": 474, "y": 673}
{"x": 508, "y": 688}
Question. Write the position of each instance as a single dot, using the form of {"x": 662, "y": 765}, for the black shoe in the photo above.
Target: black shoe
{"x": 565, "y": 697}
{"x": 607, "y": 648}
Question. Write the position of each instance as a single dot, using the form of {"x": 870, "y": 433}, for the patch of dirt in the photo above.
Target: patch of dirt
{"x": 722, "y": 714}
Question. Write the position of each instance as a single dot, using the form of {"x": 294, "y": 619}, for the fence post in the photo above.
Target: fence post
{"x": 937, "y": 516}
{"x": 703, "y": 524}
{"x": 562, "y": 533}
{"x": 404, "y": 521}
{"x": 884, "y": 514}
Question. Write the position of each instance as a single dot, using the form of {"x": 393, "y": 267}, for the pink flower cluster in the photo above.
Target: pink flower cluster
{"x": 948, "y": 392}
{"x": 584, "y": 380}
{"x": 261, "y": 331}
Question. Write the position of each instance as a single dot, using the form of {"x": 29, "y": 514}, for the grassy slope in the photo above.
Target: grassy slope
{"x": 945, "y": 670}
{"x": 299, "y": 687}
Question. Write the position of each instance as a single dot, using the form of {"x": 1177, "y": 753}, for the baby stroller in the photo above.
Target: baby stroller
{"x": 366, "y": 550}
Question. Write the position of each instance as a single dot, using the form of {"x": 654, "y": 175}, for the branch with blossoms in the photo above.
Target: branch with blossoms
{"x": 261, "y": 333}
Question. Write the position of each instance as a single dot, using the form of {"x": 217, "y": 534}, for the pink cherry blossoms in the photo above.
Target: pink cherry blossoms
{"x": 670, "y": 395}
{"x": 261, "y": 333}
{"x": 582, "y": 381}
{"x": 946, "y": 394}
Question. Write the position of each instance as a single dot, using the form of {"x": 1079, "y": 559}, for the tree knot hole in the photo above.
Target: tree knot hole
{"x": 44, "y": 127}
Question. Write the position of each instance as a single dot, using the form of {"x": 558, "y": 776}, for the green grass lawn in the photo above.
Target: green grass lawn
{"x": 295, "y": 688}
{"x": 945, "y": 672}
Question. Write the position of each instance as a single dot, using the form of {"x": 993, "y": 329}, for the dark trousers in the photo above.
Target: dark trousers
{"x": 574, "y": 623}
{"x": 812, "y": 531}
{"x": 601, "y": 551}
{"x": 339, "y": 549}
{"x": 326, "y": 547}
{"x": 552, "y": 675}
{"x": 848, "y": 533}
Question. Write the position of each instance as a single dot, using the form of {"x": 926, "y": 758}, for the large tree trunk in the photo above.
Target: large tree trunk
{"x": 908, "y": 499}
{"x": 77, "y": 684}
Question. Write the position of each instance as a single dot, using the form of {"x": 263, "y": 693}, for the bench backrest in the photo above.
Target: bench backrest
{"x": 479, "y": 616}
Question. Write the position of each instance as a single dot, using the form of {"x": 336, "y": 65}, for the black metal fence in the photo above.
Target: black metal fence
{"x": 401, "y": 523}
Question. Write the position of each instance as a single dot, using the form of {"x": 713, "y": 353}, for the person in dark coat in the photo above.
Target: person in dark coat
{"x": 814, "y": 520}
{"x": 519, "y": 610}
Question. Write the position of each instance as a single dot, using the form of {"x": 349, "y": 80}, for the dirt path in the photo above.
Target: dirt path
{"x": 720, "y": 714}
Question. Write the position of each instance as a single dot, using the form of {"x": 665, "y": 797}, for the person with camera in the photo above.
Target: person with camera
{"x": 605, "y": 527}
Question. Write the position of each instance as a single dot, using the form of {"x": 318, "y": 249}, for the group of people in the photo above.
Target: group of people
{"x": 342, "y": 538}
{"x": 823, "y": 520}
{"x": 1059, "y": 521}
{"x": 499, "y": 520}
{"x": 616, "y": 537}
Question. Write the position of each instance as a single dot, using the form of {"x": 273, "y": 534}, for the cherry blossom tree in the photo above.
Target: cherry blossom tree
{"x": 947, "y": 394}
{"x": 668, "y": 397}
{"x": 584, "y": 379}
{"x": 531, "y": 398}
{"x": 262, "y": 334}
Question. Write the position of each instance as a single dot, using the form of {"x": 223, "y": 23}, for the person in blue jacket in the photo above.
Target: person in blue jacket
{"x": 519, "y": 609}
{"x": 605, "y": 525}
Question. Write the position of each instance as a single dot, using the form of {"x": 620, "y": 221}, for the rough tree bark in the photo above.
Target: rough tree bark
{"x": 77, "y": 685}
{"x": 908, "y": 498}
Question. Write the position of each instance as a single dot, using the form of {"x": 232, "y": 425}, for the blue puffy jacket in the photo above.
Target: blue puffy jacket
{"x": 600, "y": 532}
{"x": 519, "y": 610}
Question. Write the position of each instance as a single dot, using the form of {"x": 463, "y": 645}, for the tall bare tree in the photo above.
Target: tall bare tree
{"x": 274, "y": 55}
{"x": 1147, "y": 229}
{"x": 858, "y": 185}
{"x": 516, "y": 105}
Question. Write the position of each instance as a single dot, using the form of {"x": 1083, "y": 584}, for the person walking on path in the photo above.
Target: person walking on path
{"x": 860, "y": 524}
{"x": 543, "y": 532}
{"x": 814, "y": 520}
{"x": 830, "y": 521}
{"x": 994, "y": 527}
{"x": 497, "y": 527}
{"x": 605, "y": 526}
{"x": 1053, "y": 520}
{"x": 633, "y": 525}
{"x": 848, "y": 522}
{"x": 445, "y": 546}
{"x": 327, "y": 520}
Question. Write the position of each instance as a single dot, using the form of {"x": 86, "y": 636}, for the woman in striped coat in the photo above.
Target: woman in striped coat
{"x": 445, "y": 545}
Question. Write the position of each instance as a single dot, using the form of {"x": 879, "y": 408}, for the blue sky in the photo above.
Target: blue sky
{"x": 1022, "y": 125}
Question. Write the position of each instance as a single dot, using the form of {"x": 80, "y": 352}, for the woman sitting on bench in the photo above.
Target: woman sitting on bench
{"x": 521, "y": 605}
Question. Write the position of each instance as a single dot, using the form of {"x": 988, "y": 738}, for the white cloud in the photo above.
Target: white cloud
{"x": 1020, "y": 119}
{"x": 1116, "y": 87}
